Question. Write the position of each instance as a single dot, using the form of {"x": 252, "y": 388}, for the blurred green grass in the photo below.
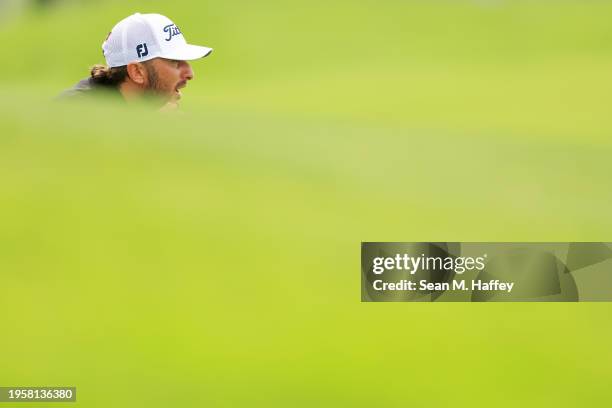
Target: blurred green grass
{"x": 212, "y": 258}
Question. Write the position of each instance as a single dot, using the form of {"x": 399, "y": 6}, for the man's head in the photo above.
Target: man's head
{"x": 147, "y": 55}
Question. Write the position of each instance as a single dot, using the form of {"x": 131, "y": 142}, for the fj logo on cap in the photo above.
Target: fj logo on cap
{"x": 141, "y": 50}
{"x": 171, "y": 30}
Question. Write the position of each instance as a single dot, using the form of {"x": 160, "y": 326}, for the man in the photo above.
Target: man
{"x": 146, "y": 59}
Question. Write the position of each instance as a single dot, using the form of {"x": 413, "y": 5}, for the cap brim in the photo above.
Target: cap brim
{"x": 188, "y": 52}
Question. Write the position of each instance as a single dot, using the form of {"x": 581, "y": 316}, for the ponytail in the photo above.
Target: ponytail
{"x": 101, "y": 74}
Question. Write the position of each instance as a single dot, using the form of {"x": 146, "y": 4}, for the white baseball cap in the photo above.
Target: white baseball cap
{"x": 141, "y": 37}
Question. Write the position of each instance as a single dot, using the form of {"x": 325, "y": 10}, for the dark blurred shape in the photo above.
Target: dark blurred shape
{"x": 583, "y": 254}
{"x": 539, "y": 276}
{"x": 45, "y": 3}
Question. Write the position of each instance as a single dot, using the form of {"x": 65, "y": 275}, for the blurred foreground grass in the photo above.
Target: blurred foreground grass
{"x": 212, "y": 258}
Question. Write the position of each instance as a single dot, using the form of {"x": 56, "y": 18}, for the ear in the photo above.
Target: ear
{"x": 137, "y": 73}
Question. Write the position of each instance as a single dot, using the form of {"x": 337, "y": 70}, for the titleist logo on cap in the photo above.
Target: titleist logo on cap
{"x": 171, "y": 30}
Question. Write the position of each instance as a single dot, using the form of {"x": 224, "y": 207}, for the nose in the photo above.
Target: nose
{"x": 186, "y": 71}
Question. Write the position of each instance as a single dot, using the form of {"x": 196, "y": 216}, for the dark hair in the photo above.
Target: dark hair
{"x": 101, "y": 74}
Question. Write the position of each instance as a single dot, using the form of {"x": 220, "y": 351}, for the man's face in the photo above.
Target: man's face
{"x": 166, "y": 77}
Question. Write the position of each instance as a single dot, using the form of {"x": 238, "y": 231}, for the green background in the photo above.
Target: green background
{"x": 213, "y": 258}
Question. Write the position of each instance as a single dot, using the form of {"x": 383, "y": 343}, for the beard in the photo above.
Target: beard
{"x": 155, "y": 89}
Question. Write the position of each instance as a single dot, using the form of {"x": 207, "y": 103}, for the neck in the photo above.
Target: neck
{"x": 136, "y": 94}
{"x": 130, "y": 91}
